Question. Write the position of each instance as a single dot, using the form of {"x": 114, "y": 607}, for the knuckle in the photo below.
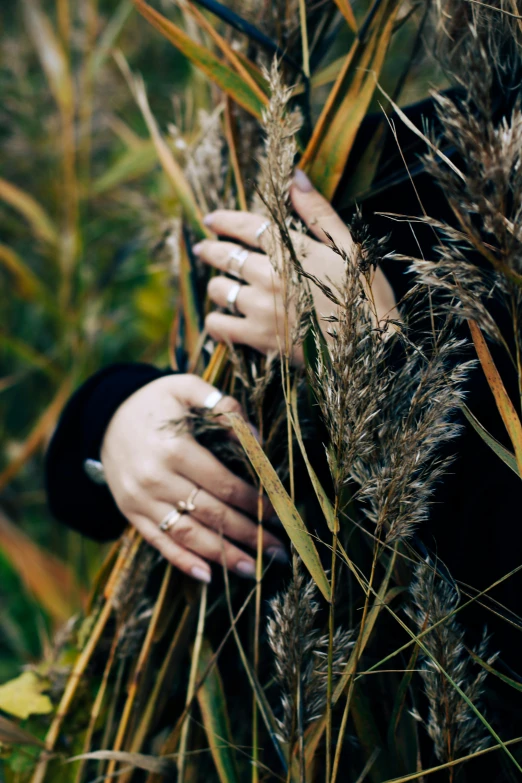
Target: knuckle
{"x": 129, "y": 494}
{"x": 229, "y": 405}
{"x": 177, "y": 450}
{"x": 184, "y": 530}
{"x": 148, "y": 476}
{"x": 228, "y": 491}
{"x": 217, "y": 517}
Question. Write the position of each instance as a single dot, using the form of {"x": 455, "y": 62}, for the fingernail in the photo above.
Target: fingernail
{"x": 246, "y": 568}
{"x": 207, "y": 220}
{"x": 302, "y": 182}
{"x": 201, "y": 574}
{"x": 277, "y": 553}
{"x": 197, "y": 248}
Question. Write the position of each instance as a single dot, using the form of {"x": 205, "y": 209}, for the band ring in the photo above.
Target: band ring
{"x": 262, "y": 228}
{"x": 232, "y": 298}
{"x": 239, "y": 254}
{"x": 170, "y": 520}
{"x": 187, "y": 506}
{"x": 212, "y": 399}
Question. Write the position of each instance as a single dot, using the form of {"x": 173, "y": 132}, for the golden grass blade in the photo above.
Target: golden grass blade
{"x": 38, "y": 434}
{"x": 328, "y": 150}
{"x": 283, "y": 505}
{"x": 40, "y": 222}
{"x": 505, "y": 407}
{"x": 227, "y": 79}
{"x": 191, "y": 688}
{"x": 140, "y": 667}
{"x": 50, "y": 581}
{"x": 170, "y": 166}
{"x": 345, "y": 8}
{"x": 213, "y": 707}
{"x": 188, "y": 300}
{"x": 123, "y": 563}
{"x": 12, "y": 734}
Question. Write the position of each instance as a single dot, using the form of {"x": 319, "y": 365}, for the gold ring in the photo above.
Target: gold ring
{"x": 187, "y": 506}
{"x": 170, "y": 520}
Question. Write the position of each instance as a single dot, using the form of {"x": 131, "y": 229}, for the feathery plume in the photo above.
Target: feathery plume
{"x": 300, "y": 653}
{"x": 453, "y": 727}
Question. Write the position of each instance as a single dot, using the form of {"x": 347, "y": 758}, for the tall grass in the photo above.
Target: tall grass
{"x": 160, "y": 679}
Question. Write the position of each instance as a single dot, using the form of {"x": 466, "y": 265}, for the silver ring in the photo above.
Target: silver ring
{"x": 232, "y": 298}
{"x": 212, "y": 399}
{"x": 262, "y": 228}
{"x": 239, "y": 254}
{"x": 95, "y": 471}
{"x": 168, "y": 522}
{"x": 188, "y": 506}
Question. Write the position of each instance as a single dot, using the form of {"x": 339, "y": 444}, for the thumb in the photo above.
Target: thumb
{"x": 317, "y": 213}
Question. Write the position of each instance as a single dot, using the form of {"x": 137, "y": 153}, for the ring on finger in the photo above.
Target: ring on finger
{"x": 188, "y": 506}
{"x": 262, "y": 228}
{"x": 232, "y": 295}
{"x": 170, "y": 520}
{"x": 212, "y": 399}
{"x": 240, "y": 255}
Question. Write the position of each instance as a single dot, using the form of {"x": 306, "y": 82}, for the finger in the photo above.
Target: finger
{"x": 317, "y": 213}
{"x": 181, "y": 558}
{"x": 239, "y": 331}
{"x": 246, "y": 227}
{"x": 193, "y": 392}
{"x": 198, "y": 465}
{"x": 256, "y": 269}
{"x": 218, "y": 516}
{"x": 247, "y": 300}
{"x": 190, "y": 534}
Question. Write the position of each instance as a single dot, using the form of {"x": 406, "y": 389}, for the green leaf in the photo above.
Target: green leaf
{"x": 505, "y": 455}
{"x": 508, "y": 680}
{"x": 211, "y": 700}
{"x": 24, "y": 696}
{"x": 227, "y": 79}
{"x": 132, "y": 164}
{"x": 282, "y": 503}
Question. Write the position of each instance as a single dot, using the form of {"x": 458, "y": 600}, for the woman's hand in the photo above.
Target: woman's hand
{"x": 151, "y": 466}
{"x": 260, "y": 299}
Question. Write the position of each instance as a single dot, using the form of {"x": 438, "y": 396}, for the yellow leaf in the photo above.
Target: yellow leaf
{"x": 282, "y": 503}
{"x": 24, "y": 696}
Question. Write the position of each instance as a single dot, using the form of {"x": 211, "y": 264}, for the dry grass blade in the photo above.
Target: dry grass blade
{"x": 158, "y": 765}
{"x": 12, "y": 734}
{"x": 283, "y": 506}
{"x": 505, "y": 406}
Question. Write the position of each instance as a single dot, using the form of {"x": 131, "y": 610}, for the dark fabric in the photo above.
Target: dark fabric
{"x": 73, "y": 498}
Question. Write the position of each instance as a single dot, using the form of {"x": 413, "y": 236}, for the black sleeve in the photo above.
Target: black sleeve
{"x": 73, "y": 497}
